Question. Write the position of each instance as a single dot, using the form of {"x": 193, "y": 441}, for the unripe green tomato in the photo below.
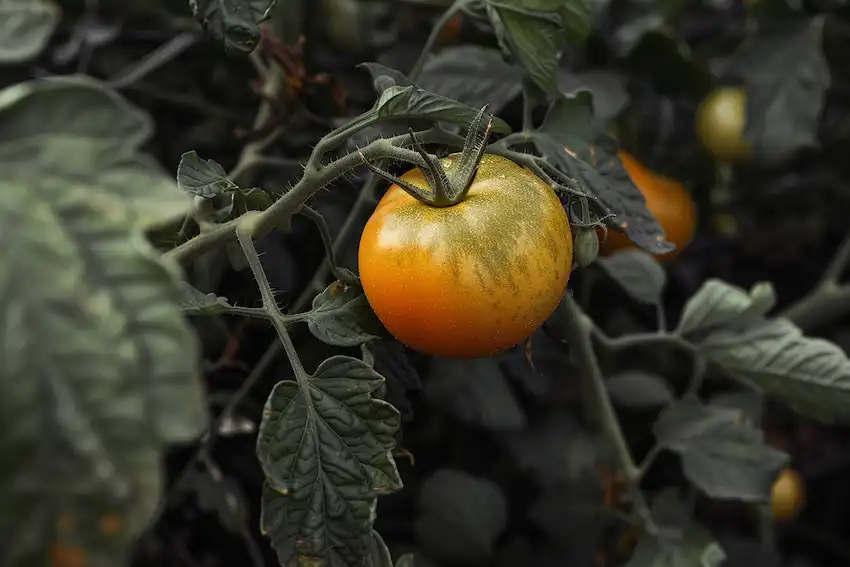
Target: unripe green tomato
{"x": 585, "y": 246}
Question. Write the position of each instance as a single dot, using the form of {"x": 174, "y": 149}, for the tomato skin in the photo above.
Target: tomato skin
{"x": 667, "y": 200}
{"x": 472, "y": 279}
{"x": 787, "y": 494}
{"x": 720, "y": 122}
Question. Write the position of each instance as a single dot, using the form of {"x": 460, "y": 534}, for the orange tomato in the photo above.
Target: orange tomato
{"x": 474, "y": 278}
{"x": 451, "y": 30}
{"x": 787, "y": 495}
{"x": 667, "y": 200}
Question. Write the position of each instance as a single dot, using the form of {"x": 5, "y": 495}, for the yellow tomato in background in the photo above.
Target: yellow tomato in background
{"x": 720, "y": 122}
{"x": 474, "y": 278}
{"x": 787, "y": 495}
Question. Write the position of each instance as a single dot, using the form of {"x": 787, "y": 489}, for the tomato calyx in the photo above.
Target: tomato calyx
{"x": 448, "y": 186}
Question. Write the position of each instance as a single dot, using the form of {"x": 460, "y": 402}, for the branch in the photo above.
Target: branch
{"x": 341, "y": 274}
{"x": 279, "y": 320}
{"x": 204, "y": 242}
{"x": 836, "y": 267}
{"x": 643, "y": 339}
{"x": 578, "y": 331}
{"x": 829, "y": 300}
{"x": 292, "y": 201}
{"x": 821, "y": 306}
{"x": 318, "y": 281}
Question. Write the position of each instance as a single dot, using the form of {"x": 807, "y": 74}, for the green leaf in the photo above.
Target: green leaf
{"x": 220, "y": 495}
{"x": 460, "y": 516}
{"x": 412, "y": 103}
{"x": 405, "y": 560}
{"x": 64, "y": 129}
{"x": 384, "y": 77}
{"x": 196, "y": 302}
{"x": 569, "y": 122}
{"x": 325, "y": 450}
{"x": 682, "y": 543}
{"x": 255, "y": 199}
{"x": 202, "y": 177}
{"x": 694, "y": 548}
{"x": 380, "y": 554}
{"x": 810, "y": 375}
{"x": 555, "y": 448}
{"x": 573, "y": 514}
{"x": 341, "y": 316}
{"x": 25, "y": 28}
{"x": 723, "y": 457}
{"x": 592, "y": 160}
{"x": 536, "y": 43}
{"x": 472, "y": 75}
{"x": 610, "y": 95}
{"x": 717, "y": 304}
{"x": 236, "y": 23}
{"x": 786, "y": 75}
{"x": 537, "y": 31}
{"x": 99, "y": 370}
{"x": 604, "y": 176}
{"x": 474, "y": 391}
{"x": 638, "y": 273}
{"x": 747, "y": 401}
{"x": 639, "y": 389}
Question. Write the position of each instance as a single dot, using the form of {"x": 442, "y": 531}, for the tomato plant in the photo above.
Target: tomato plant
{"x": 370, "y": 321}
{"x": 470, "y": 279}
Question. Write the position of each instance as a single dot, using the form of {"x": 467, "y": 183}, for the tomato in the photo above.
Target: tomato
{"x": 720, "y": 122}
{"x": 474, "y": 278}
{"x": 585, "y": 245}
{"x": 451, "y": 30}
{"x": 787, "y": 494}
{"x": 667, "y": 200}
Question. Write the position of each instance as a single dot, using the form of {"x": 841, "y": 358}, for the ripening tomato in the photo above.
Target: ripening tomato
{"x": 720, "y": 122}
{"x": 474, "y": 278}
{"x": 451, "y": 30}
{"x": 787, "y": 494}
{"x": 667, "y": 200}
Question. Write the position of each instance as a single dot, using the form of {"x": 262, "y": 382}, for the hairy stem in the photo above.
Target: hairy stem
{"x": 327, "y": 241}
{"x": 317, "y": 282}
{"x": 290, "y": 203}
{"x": 277, "y": 318}
{"x": 199, "y": 245}
{"x": 578, "y": 330}
{"x": 315, "y": 179}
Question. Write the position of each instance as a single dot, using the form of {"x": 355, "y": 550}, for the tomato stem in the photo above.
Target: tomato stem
{"x": 462, "y": 174}
{"x": 448, "y": 187}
